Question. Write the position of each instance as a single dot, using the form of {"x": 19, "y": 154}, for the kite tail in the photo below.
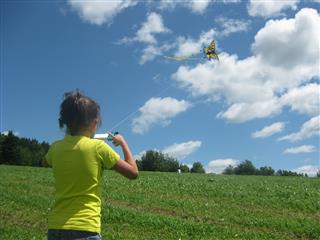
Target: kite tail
{"x": 192, "y": 57}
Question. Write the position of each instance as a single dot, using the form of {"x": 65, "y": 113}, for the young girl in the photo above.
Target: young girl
{"x": 77, "y": 162}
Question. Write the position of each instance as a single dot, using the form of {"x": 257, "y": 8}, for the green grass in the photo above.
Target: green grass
{"x": 172, "y": 206}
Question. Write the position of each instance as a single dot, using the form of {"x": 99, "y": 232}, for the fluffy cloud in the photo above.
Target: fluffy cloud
{"x": 253, "y": 87}
{"x": 303, "y": 100}
{"x": 145, "y": 34}
{"x": 308, "y": 169}
{"x": 309, "y": 129}
{"x": 158, "y": 111}
{"x": 218, "y": 165}
{"x": 195, "y": 6}
{"x": 150, "y": 52}
{"x": 153, "y": 25}
{"x": 269, "y": 130}
{"x": 286, "y": 37}
{"x": 270, "y": 8}
{"x": 182, "y": 150}
{"x": 300, "y": 149}
{"x": 229, "y": 26}
{"x": 99, "y": 12}
{"x": 242, "y": 112}
{"x": 199, "y": 6}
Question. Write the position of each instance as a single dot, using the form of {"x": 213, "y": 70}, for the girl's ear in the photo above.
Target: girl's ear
{"x": 95, "y": 123}
{"x": 93, "y": 127}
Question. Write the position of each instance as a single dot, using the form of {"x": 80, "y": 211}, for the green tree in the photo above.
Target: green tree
{"x": 184, "y": 168}
{"x": 197, "y": 167}
{"x": 25, "y": 156}
{"x": 139, "y": 164}
{"x": 228, "y": 170}
{"x": 149, "y": 160}
{"x": 22, "y": 151}
{"x": 10, "y": 152}
{"x": 245, "y": 168}
{"x": 265, "y": 171}
{"x": 2, "y": 137}
{"x": 157, "y": 161}
{"x": 288, "y": 173}
{"x": 171, "y": 164}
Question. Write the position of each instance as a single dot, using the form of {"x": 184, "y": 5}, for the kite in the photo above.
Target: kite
{"x": 208, "y": 52}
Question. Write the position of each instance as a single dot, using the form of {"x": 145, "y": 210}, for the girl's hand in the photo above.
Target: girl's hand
{"x": 118, "y": 139}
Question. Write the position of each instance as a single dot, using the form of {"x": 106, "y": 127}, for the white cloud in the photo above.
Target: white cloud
{"x": 304, "y": 99}
{"x": 230, "y": 1}
{"x": 270, "y": 8}
{"x": 300, "y": 149}
{"x": 229, "y": 26}
{"x": 199, "y": 6}
{"x": 150, "y": 52}
{"x": 269, "y": 130}
{"x": 253, "y": 87}
{"x": 154, "y": 24}
{"x": 99, "y": 12}
{"x": 158, "y": 111}
{"x": 309, "y": 129}
{"x": 280, "y": 42}
{"x": 145, "y": 34}
{"x": 196, "y": 6}
{"x": 218, "y": 165}
{"x": 182, "y": 150}
{"x": 242, "y": 112}
{"x": 311, "y": 170}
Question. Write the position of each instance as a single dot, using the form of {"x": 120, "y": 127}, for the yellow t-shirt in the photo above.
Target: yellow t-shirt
{"x": 78, "y": 163}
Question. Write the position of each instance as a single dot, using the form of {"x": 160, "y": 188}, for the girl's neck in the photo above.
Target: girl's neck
{"x": 85, "y": 133}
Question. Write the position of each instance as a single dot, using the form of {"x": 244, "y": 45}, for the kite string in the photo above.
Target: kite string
{"x": 135, "y": 111}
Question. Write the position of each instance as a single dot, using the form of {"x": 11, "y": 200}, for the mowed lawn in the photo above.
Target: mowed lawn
{"x": 172, "y": 206}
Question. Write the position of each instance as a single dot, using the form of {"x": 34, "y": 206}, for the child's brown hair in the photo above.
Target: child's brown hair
{"x": 77, "y": 111}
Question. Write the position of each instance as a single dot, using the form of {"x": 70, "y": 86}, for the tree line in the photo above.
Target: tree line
{"x": 22, "y": 151}
{"x": 247, "y": 168}
{"x": 157, "y": 161}
{"x": 29, "y": 152}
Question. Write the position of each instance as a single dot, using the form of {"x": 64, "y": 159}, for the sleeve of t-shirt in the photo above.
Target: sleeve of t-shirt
{"x": 48, "y": 157}
{"x": 108, "y": 156}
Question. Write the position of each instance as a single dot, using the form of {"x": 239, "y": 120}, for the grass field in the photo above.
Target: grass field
{"x": 172, "y": 206}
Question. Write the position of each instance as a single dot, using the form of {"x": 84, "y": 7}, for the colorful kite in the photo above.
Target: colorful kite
{"x": 210, "y": 51}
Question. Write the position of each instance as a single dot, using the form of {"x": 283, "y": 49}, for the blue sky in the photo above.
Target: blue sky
{"x": 259, "y": 102}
